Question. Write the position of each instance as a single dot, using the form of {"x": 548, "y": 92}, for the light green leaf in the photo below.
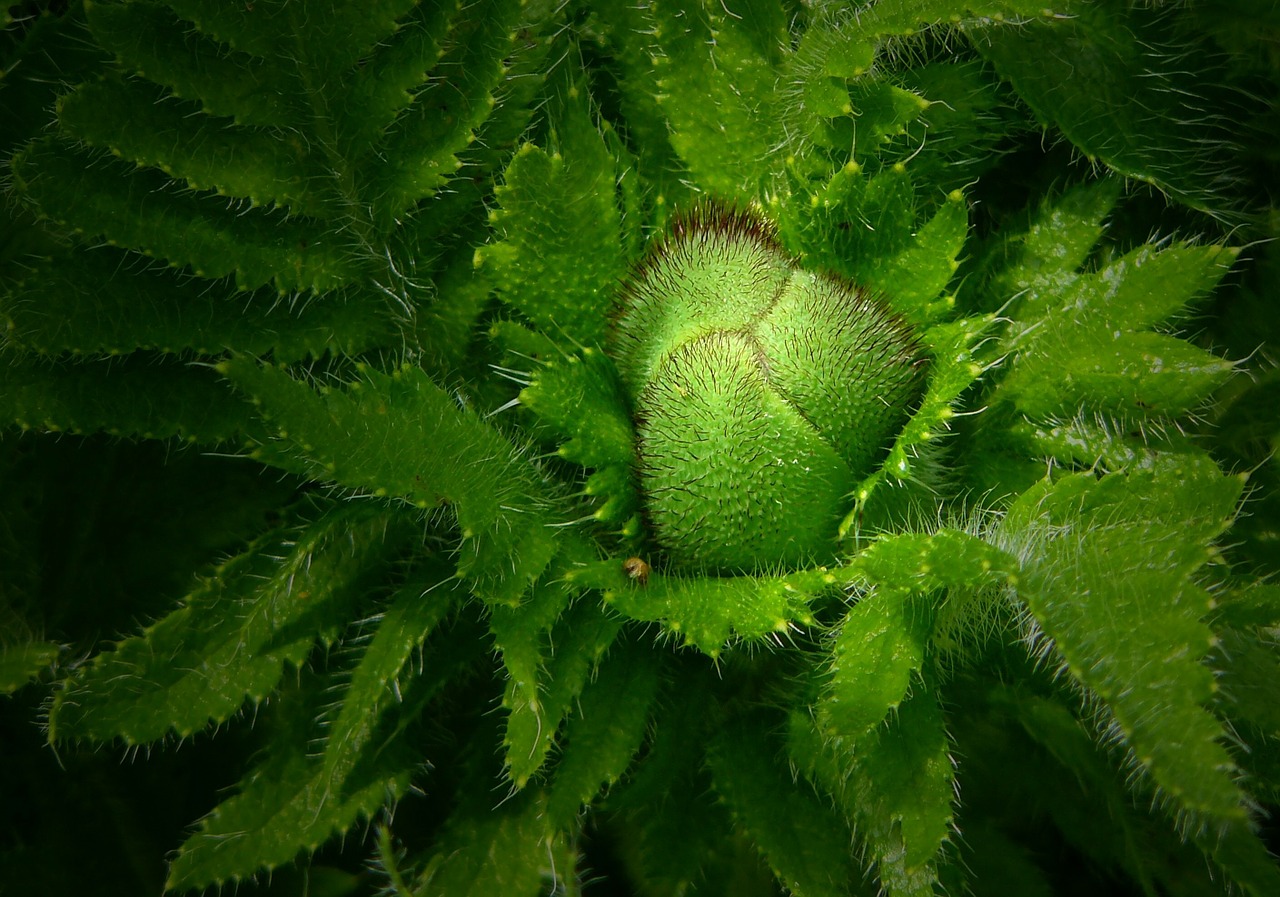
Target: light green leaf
{"x": 559, "y": 257}
{"x": 706, "y": 611}
{"x": 716, "y": 58}
{"x": 1129, "y": 373}
{"x": 881, "y": 645}
{"x": 1107, "y": 572}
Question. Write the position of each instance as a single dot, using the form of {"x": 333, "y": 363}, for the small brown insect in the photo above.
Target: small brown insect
{"x": 637, "y": 569}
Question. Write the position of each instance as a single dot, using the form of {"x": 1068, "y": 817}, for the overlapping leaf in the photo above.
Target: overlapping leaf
{"x": 232, "y": 638}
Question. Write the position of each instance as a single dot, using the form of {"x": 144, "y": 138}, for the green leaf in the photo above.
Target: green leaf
{"x": 559, "y": 257}
{"x": 420, "y": 151}
{"x": 20, "y": 664}
{"x": 150, "y": 38}
{"x": 881, "y": 643}
{"x": 1138, "y": 374}
{"x": 1045, "y": 257}
{"x": 1082, "y": 341}
{"x": 914, "y": 278}
{"x": 805, "y": 843}
{"x": 486, "y": 851}
{"x": 1107, "y": 572}
{"x": 232, "y": 638}
{"x": 140, "y": 395}
{"x": 288, "y": 803}
{"x": 706, "y": 611}
{"x": 902, "y": 793}
{"x": 1150, "y": 100}
{"x": 142, "y": 209}
{"x": 955, "y": 366}
{"x": 605, "y": 732}
{"x": 401, "y": 435}
{"x": 539, "y": 702}
{"x": 94, "y": 302}
{"x": 711, "y": 59}
{"x": 580, "y": 397}
{"x": 413, "y": 614}
{"x": 133, "y": 119}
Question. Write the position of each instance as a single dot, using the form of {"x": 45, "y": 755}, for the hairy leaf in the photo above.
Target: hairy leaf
{"x": 232, "y": 638}
{"x": 707, "y": 611}
{"x": 1108, "y": 569}
{"x": 403, "y": 436}
{"x": 804, "y": 841}
{"x": 560, "y": 254}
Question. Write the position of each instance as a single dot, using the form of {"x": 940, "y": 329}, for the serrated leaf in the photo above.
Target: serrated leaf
{"x": 94, "y": 302}
{"x": 712, "y": 59}
{"x": 579, "y": 396}
{"x": 1155, "y": 108}
{"x": 286, "y": 804}
{"x": 142, "y": 209}
{"x": 881, "y": 643}
{"x": 605, "y": 732}
{"x": 21, "y": 663}
{"x": 903, "y": 791}
{"x": 133, "y": 119}
{"x": 1046, "y": 256}
{"x": 1081, "y": 340}
{"x": 566, "y": 661}
{"x": 850, "y": 222}
{"x": 1137, "y": 374}
{"x": 804, "y": 841}
{"x": 232, "y": 638}
{"x": 413, "y": 614}
{"x": 149, "y": 38}
{"x": 1107, "y": 567}
{"x": 403, "y": 436}
{"x": 262, "y": 29}
{"x": 914, "y": 279}
{"x": 707, "y": 611}
{"x": 419, "y": 152}
{"x": 141, "y": 395}
{"x": 954, "y": 367}
{"x": 559, "y": 256}
{"x": 488, "y": 851}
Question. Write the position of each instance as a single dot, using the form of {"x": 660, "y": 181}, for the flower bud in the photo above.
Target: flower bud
{"x": 762, "y": 394}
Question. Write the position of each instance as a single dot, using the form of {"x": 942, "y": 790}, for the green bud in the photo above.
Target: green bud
{"x": 762, "y": 394}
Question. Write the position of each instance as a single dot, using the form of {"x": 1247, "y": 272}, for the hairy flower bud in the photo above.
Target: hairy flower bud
{"x": 762, "y": 394}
